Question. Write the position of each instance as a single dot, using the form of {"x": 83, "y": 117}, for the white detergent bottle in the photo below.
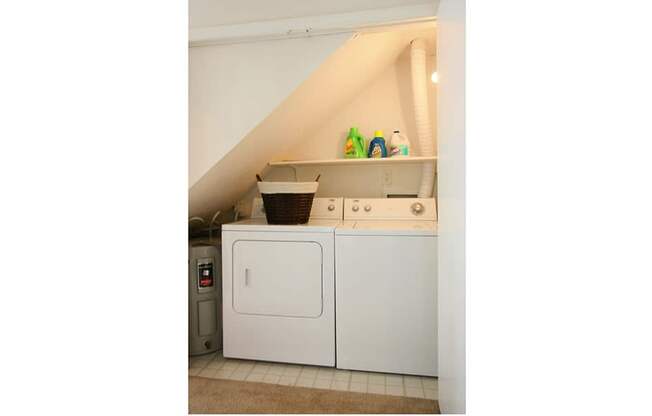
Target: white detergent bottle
{"x": 400, "y": 145}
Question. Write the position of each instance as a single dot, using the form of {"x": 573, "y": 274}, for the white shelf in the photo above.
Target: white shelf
{"x": 347, "y": 162}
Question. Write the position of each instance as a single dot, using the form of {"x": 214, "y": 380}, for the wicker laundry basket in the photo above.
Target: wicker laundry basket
{"x": 287, "y": 202}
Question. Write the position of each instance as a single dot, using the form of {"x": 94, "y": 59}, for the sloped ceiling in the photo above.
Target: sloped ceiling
{"x": 346, "y": 72}
{"x": 232, "y": 88}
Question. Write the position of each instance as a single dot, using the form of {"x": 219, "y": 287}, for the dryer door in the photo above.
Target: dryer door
{"x": 277, "y": 278}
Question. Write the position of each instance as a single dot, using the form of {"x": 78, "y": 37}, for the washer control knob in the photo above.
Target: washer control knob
{"x": 331, "y": 207}
{"x": 417, "y": 208}
{"x": 367, "y": 208}
{"x": 355, "y": 208}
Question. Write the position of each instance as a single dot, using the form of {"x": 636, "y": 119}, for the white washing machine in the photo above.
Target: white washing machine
{"x": 386, "y": 286}
{"x": 278, "y": 287}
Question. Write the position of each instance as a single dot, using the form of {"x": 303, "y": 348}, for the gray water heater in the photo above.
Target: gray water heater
{"x": 205, "y": 299}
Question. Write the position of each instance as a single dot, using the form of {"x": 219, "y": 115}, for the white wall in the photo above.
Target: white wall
{"x": 451, "y": 192}
{"x": 232, "y": 88}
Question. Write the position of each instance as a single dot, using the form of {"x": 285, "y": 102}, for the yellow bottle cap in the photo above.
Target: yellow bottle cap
{"x": 378, "y": 133}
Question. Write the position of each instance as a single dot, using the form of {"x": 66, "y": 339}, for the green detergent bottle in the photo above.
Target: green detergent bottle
{"x": 355, "y": 145}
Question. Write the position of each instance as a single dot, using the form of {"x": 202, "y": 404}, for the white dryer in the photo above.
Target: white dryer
{"x": 278, "y": 287}
{"x": 386, "y": 286}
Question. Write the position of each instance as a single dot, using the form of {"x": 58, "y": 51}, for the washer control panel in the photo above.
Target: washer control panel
{"x": 390, "y": 209}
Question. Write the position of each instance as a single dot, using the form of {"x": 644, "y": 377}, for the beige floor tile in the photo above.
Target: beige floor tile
{"x": 342, "y": 375}
{"x": 215, "y": 365}
{"x": 325, "y": 375}
{"x": 271, "y": 378}
{"x": 305, "y": 382}
{"x": 412, "y": 381}
{"x": 246, "y": 366}
{"x": 429, "y": 383}
{"x": 292, "y": 370}
{"x": 393, "y": 380}
{"x": 276, "y": 369}
{"x": 239, "y": 375}
{"x": 194, "y": 371}
{"x": 207, "y": 372}
{"x": 230, "y": 365}
{"x": 261, "y": 368}
{"x": 323, "y": 383}
{"x": 358, "y": 387}
{"x": 414, "y": 391}
{"x": 217, "y": 374}
{"x": 287, "y": 380}
{"x": 255, "y": 377}
{"x": 223, "y": 373}
{"x": 359, "y": 377}
{"x": 340, "y": 385}
{"x": 430, "y": 394}
{"x": 377, "y": 379}
{"x": 309, "y": 371}
{"x": 395, "y": 390}
{"x": 376, "y": 389}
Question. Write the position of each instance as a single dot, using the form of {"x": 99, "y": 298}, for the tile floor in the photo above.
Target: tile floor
{"x": 216, "y": 366}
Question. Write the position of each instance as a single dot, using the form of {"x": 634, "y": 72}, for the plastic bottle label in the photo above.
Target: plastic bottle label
{"x": 348, "y": 149}
{"x": 400, "y": 150}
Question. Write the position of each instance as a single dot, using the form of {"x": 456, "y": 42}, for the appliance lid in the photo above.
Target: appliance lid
{"x": 260, "y": 224}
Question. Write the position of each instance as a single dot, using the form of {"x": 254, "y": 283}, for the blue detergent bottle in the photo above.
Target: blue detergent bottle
{"x": 377, "y": 147}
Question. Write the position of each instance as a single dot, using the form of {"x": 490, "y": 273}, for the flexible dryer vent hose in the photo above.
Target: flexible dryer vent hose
{"x": 418, "y": 58}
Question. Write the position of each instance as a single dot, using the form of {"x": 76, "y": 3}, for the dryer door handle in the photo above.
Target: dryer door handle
{"x": 246, "y": 277}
